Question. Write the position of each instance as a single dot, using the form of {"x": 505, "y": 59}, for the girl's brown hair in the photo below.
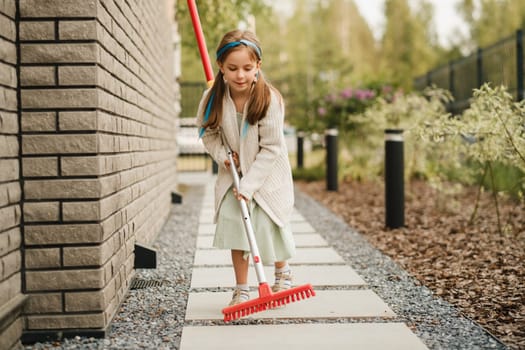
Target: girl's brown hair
{"x": 260, "y": 95}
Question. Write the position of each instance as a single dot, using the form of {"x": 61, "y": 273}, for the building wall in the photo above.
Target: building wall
{"x": 11, "y": 297}
{"x": 97, "y": 97}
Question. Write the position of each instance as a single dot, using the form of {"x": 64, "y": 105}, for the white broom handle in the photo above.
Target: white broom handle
{"x": 247, "y": 224}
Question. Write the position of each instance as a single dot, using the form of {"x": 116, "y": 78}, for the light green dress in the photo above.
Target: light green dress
{"x": 275, "y": 243}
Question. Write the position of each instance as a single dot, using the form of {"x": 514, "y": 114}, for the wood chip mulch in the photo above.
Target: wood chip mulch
{"x": 474, "y": 267}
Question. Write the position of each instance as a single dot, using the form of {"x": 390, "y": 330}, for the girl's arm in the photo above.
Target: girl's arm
{"x": 271, "y": 145}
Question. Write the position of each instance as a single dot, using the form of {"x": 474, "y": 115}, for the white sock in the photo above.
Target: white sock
{"x": 243, "y": 287}
{"x": 285, "y": 268}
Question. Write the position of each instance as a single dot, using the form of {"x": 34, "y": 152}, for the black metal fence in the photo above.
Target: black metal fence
{"x": 500, "y": 64}
{"x": 192, "y": 155}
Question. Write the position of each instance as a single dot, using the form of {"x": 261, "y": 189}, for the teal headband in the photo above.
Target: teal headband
{"x": 237, "y": 43}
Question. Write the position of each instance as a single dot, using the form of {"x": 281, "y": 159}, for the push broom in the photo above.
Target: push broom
{"x": 267, "y": 299}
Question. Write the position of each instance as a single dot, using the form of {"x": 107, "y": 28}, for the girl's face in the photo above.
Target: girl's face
{"x": 239, "y": 69}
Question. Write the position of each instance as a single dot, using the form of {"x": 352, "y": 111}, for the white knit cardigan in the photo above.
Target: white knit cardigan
{"x": 266, "y": 171}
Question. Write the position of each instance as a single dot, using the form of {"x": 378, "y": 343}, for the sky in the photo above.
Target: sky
{"x": 446, "y": 17}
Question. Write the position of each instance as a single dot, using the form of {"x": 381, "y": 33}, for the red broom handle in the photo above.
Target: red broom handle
{"x": 197, "y": 28}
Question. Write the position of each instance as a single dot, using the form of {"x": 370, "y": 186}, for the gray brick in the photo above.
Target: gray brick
{"x": 45, "y": 166}
{"x": 77, "y": 75}
{"x": 10, "y": 216}
{"x": 10, "y": 288}
{"x": 8, "y": 28}
{"x": 77, "y": 166}
{"x": 8, "y": 75}
{"x": 10, "y": 240}
{"x": 64, "y": 279}
{"x": 8, "y": 99}
{"x": 39, "y": 121}
{"x": 8, "y": 146}
{"x": 67, "y": 321}
{"x": 9, "y": 170}
{"x": 84, "y": 120}
{"x": 64, "y": 144}
{"x": 60, "y": 98}
{"x": 59, "y": 53}
{"x": 58, "y": 8}
{"x": 8, "y": 123}
{"x": 8, "y": 8}
{"x": 86, "y": 301}
{"x": 10, "y": 193}
{"x": 41, "y": 211}
{"x": 62, "y": 234}
{"x": 9, "y": 338}
{"x": 35, "y": 76}
{"x": 78, "y": 30}
{"x": 88, "y": 256}
{"x": 7, "y": 51}
{"x": 44, "y": 303}
{"x": 75, "y": 188}
{"x": 42, "y": 258}
{"x": 37, "y": 30}
{"x": 81, "y": 211}
{"x": 11, "y": 264}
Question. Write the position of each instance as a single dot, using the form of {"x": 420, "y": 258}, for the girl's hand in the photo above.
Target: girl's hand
{"x": 235, "y": 157}
{"x": 239, "y": 196}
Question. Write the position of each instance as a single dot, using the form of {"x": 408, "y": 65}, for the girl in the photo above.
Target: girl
{"x": 244, "y": 112}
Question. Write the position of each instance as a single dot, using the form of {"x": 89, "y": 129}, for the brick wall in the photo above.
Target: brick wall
{"x": 11, "y": 297}
{"x": 97, "y": 97}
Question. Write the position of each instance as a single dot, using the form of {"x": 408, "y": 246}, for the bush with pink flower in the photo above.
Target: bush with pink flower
{"x": 335, "y": 110}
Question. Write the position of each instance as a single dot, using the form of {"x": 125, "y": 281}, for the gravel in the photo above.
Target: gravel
{"x": 153, "y": 317}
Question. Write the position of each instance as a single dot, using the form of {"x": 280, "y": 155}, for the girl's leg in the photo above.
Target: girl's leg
{"x": 280, "y": 264}
{"x": 283, "y": 276}
{"x": 240, "y": 267}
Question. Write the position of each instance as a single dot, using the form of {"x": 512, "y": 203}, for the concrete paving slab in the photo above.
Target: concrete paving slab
{"x": 302, "y": 227}
{"x": 205, "y": 257}
{"x": 296, "y": 216}
{"x": 301, "y": 241}
{"x": 206, "y": 229}
{"x": 310, "y": 240}
{"x": 317, "y": 275}
{"x": 369, "y": 336}
{"x": 325, "y": 304}
{"x": 205, "y": 218}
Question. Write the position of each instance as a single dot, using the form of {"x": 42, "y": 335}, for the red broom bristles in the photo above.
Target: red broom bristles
{"x": 267, "y": 300}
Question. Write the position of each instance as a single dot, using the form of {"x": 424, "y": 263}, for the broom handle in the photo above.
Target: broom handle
{"x": 248, "y": 225}
{"x": 199, "y": 35}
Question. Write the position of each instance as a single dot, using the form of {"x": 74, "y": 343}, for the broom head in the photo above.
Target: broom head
{"x": 267, "y": 300}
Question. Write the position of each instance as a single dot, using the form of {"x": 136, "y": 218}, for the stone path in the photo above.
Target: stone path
{"x": 344, "y": 314}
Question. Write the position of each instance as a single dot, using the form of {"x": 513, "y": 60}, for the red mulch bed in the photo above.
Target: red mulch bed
{"x": 474, "y": 267}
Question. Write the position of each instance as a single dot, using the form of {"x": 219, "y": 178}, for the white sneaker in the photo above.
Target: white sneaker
{"x": 283, "y": 281}
{"x": 239, "y": 296}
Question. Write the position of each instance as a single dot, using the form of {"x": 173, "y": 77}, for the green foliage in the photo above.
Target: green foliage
{"x": 408, "y": 46}
{"x": 313, "y": 173}
{"x": 492, "y": 129}
{"x": 217, "y": 18}
{"x": 407, "y": 112}
{"x": 490, "y": 20}
{"x": 490, "y": 133}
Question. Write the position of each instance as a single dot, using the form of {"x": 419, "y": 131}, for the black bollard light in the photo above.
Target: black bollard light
{"x": 300, "y": 150}
{"x": 214, "y": 167}
{"x": 394, "y": 179}
{"x": 331, "y": 159}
